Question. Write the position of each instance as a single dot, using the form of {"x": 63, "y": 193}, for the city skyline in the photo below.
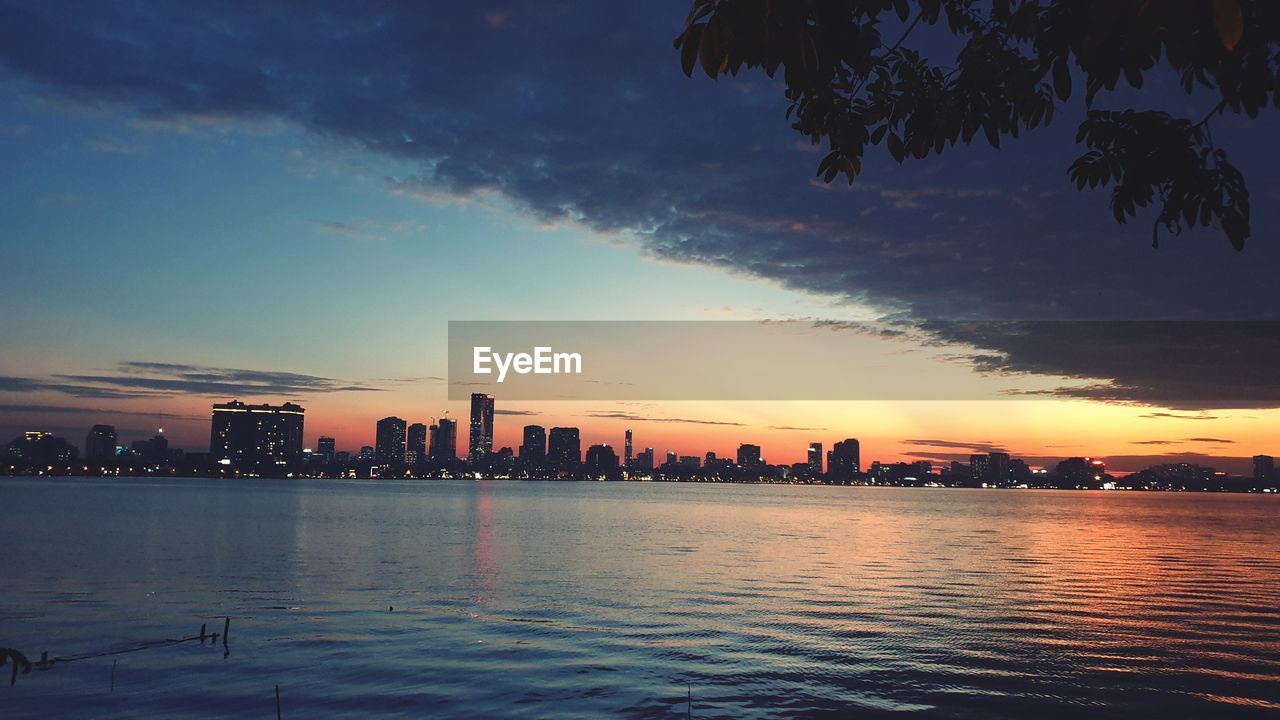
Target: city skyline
{"x": 395, "y": 447}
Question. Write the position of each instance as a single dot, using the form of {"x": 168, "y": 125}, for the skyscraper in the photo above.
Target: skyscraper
{"x": 327, "y": 447}
{"x": 533, "y": 451}
{"x": 444, "y": 440}
{"x": 815, "y": 458}
{"x": 389, "y": 442}
{"x": 601, "y": 459}
{"x": 748, "y": 455}
{"x": 998, "y": 467}
{"x": 564, "y": 449}
{"x": 416, "y": 447}
{"x": 480, "y": 443}
{"x": 644, "y": 461}
{"x": 845, "y": 461}
{"x": 100, "y": 443}
{"x": 979, "y": 466}
{"x": 627, "y": 457}
{"x": 1264, "y": 466}
{"x": 256, "y": 438}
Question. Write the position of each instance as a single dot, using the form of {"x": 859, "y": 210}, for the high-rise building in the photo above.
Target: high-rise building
{"x": 41, "y": 448}
{"x": 601, "y": 459}
{"x": 627, "y": 448}
{"x": 327, "y": 448}
{"x": 845, "y": 461}
{"x": 366, "y": 453}
{"x": 389, "y": 443}
{"x": 564, "y": 449}
{"x": 979, "y": 466}
{"x": 749, "y": 456}
{"x": 256, "y": 438}
{"x": 644, "y": 461}
{"x": 154, "y": 450}
{"x": 998, "y": 467}
{"x": 815, "y": 458}
{"x": 533, "y": 451}
{"x": 100, "y": 443}
{"x": 672, "y": 458}
{"x": 710, "y": 459}
{"x": 1264, "y": 467}
{"x": 480, "y": 442}
{"x": 690, "y": 461}
{"x": 444, "y": 440}
{"x": 416, "y": 444}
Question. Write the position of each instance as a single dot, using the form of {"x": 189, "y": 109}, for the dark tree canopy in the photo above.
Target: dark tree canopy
{"x": 1014, "y": 62}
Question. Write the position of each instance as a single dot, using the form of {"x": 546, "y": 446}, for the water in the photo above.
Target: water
{"x": 597, "y": 600}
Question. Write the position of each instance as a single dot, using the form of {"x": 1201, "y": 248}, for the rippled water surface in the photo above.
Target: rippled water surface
{"x": 593, "y": 600}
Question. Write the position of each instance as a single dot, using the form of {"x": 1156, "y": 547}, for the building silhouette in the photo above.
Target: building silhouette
{"x": 41, "y": 448}
{"x": 644, "y": 461}
{"x": 1264, "y": 467}
{"x": 749, "y": 456}
{"x": 100, "y": 443}
{"x": 601, "y": 459}
{"x": 564, "y": 449}
{"x": 416, "y": 444}
{"x": 444, "y": 441}
{"x": 389, "y": 443}
{"x": 263, "y": 439}
{"x": 628, "y": 457}
{"x": 815, "y": 458}
{"x": 845, "y": 461}
{"x": 327, "y": 448}
{"x": 480, "y": 442}
{"x": 533, "y": 450}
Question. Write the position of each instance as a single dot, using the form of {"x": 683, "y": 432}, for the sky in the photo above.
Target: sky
{"x": 285, "y": 202}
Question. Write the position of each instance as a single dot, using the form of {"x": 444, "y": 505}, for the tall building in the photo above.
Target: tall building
{"x": 601, "y": 459}
{"x": 627, "y": 448}
{"x": 366, "y": 453}
{"x": 998, "y": 467}
{"x": 564, "y": 449}
{"x": 979, "y": 466}
{"x": 416, "y": 445}
{"x": 749, "y": 456}
{"x": 644, "y": 461}
{"x": 690, "y": 461}
{"x": 672, "y": 458}
{"x": 444, "y": 440}
{"x": 256, "y": 438}
{"x": 1264, "y": 467}
{"x": 845, "y": 462}
{"x": 100, "y": 443}
{"x": 533, "y": 451}
{"x": 815, "y": 458}
{"x": 710, "y": 459}
{"x": 389, "y": 442}
{"x": 327, "y": 448}
{"x": 480, "y": 442}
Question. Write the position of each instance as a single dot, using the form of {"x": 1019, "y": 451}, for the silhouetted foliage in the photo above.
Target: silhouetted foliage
{"x": 1014, "y": 62}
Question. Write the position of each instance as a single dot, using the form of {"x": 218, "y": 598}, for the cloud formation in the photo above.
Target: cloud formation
{"x": 577, "y": 112}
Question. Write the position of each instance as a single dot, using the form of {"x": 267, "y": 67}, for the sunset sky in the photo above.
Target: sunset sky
{"x": 288, "y": 202}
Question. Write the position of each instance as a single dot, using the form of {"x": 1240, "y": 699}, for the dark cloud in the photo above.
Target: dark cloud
{"x": 1154, "y": 442}
{"x": 138, "y": 379}
{"x": 1220, "y": 441}
{"x": 982, "y": 446}
{"x": 613, "y": 415}
{"x": 578, "y": 112}
{"x": 788, "y": 427}
{"x": 500, "y": 411}
{"x": 1177, "y": 416}
{"x": 1171, "y": 364}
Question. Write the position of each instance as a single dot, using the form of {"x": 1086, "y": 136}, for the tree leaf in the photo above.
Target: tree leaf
{"x": 1230, "y": 21}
